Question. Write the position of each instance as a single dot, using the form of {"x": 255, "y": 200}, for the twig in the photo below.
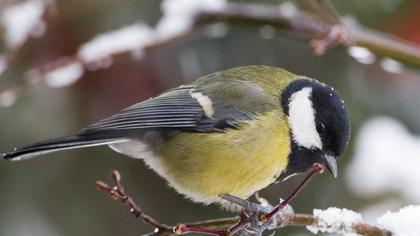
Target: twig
{"x": 117, "y": 193}
{"x": 317, "y": 168}
{"x": 36, "y": 75}
{"x": 223, "y": 226}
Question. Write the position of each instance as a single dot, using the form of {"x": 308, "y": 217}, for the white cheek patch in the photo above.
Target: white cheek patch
{"x": 205, "y": 103}
{"x": 302, "y": 120}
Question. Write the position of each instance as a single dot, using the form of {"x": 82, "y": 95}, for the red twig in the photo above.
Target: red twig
{"x": 117, "y": 193}
{"x": 317, "y": 168}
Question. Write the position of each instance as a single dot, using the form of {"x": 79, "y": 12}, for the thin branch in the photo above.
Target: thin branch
{"x": 221, "y": 226}
{"x": 117, "y": 192}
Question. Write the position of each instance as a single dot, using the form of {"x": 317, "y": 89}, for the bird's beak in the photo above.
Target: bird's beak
{"x": 331, "y": 164}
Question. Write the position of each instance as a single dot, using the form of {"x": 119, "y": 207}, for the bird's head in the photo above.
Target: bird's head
{"x": 319, "y": 125}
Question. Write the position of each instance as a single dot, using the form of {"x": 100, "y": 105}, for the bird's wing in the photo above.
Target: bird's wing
{"x": 184, "y": 108}
{"x": 206, "y": 106}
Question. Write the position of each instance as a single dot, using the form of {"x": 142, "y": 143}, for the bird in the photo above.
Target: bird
{"x": 230, "y": 132}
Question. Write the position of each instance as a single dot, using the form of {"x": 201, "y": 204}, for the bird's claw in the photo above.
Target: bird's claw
{"x": 255, "y": 218}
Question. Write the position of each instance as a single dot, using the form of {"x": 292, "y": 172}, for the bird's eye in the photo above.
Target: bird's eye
{"x": 320, "y": 127}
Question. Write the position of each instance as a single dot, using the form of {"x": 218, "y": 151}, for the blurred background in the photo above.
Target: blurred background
{"x": 55, "y": 195}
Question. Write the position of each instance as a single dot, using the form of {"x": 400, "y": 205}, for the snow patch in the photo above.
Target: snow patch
{"x": 64, "y": 76}
{"x": 335, "y": 220}
{"x": 391, "y": 65}
{"x": 22, "y": 21}
{"x": 383, "y": 144}
{"x": 130, "y": 38}
{"x": 405, "y": 222}
{"x": 178, "y": 15}
{"x": 361, "y": 55}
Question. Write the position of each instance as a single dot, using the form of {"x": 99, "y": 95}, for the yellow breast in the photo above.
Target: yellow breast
{"x": 238, "y": 161}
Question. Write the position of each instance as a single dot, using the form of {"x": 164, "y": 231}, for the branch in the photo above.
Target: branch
{"x": 221, "y": 226}
{"x": 117, "y": 193}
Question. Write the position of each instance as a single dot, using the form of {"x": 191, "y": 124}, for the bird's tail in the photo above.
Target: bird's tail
{"x": 58, "y": 144}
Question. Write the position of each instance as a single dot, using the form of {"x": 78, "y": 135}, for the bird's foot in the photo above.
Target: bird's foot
{"x": 258, "y": 217}
{"x": 254, "y": 220}
{"x": 249, "y": 222}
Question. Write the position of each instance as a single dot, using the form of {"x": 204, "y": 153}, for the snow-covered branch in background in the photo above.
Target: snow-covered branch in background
{"x": 181, "y": 19}
{"x": 133, "y": 41}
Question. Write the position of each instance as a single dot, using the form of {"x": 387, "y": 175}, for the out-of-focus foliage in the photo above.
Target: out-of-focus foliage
{"x": 55, "y": 195}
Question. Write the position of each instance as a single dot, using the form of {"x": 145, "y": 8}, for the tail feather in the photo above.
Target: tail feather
{"x": 53, "y": 145}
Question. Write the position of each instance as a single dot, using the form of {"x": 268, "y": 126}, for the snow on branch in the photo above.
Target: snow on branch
{"x": 179, "y": 15}
{"x": 405, "y": 222}
{"x": 132, "y": 38}
{"x": 334, "y": 220}
{"x": 21, "y": 23}
{"x": 64, "y": 76}
{"x": 182, "y": 19}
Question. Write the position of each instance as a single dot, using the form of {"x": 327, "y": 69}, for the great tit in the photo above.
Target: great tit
{"x": 230, "y": 132}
